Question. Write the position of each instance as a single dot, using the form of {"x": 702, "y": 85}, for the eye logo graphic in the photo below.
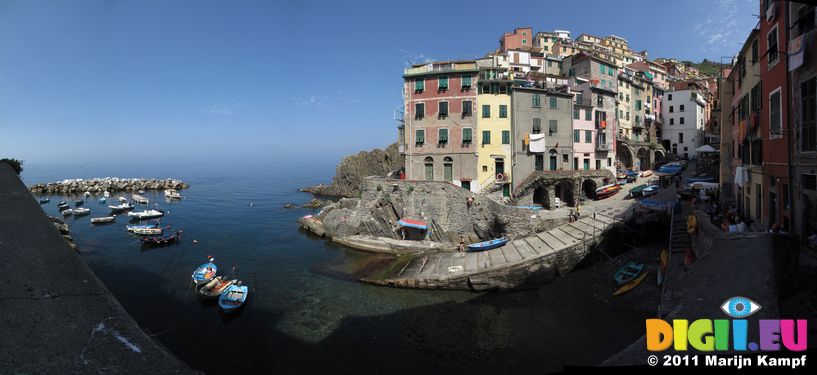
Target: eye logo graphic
{"x": 740, "y": 307}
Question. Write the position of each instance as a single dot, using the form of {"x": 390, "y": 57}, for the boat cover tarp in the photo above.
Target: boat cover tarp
{"x": 413, "y": 223}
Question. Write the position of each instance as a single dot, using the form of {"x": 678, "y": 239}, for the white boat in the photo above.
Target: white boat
{"x": 123, "y": 199}
{"x": 121, "y": 207}
{"x": 102, "y": 220}
{"x": 172, "y": 194}
{"x": 146, "y": 214}
{"x": 106, "y": 194}
{"x": 133, "y": 228}
{"x": 67, "y": 212}
{"x": 147, "y": 231}
{"x": 139, "y": 199}
{"x": 87, "y": 194}
{"x": 81, "y": 211}
{"x": 650, "y": 190}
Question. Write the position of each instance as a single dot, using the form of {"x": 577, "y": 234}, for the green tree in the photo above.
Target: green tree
{"x": 15, "y": 164}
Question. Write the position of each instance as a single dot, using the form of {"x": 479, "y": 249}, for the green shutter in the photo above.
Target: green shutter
{"x": 576, "y": 136}
{"x": 601, "y": 69}
{"x": 466, "y": 81}
{"x": 486, "y": 111}
{"x": 466, "y": 135}
{"x": 420, "y": 136}
{"x": 552, "y": 126}
{"x": 588, "y": 136}
{"x": 588, "y": 115}
{"x": 442, "y": 83}
{"x": 486, "y": 137}
{"x": 553, "y": 103}
{"x": 536, "y": 100}
{"x": 503, "y": 111}
{"x": 419, "y": 84}
{"x": 575, "y": 113}
{"x": 506, "y": 137}
{"x": 443, "y": 135}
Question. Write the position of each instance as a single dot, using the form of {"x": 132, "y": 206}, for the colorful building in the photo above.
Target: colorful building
{"x": 521, "y": 37}
{"x": 494, "y": 147}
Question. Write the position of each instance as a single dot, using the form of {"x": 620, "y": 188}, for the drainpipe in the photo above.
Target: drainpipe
{"x": 790, "y": 149}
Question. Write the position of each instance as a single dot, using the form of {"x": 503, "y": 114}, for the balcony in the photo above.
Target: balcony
{"x": 583, "y": 101}
{"x": 441, "y": 68}
{"x": 603, "y": 147}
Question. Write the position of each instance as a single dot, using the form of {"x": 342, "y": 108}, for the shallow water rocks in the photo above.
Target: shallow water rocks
{"x": 62, "y": 227}
{"x": 111, "y": 184}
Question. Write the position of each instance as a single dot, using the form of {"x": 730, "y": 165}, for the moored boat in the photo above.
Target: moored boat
{"x": 87, "y": 194}
{"x": 79, "y": 211}
{"x": 649, "y": 190}
{"x": 132, "y": 228}
{"x": 172, "y": 194}
{"x": 162, "y": 240}
{"x": 121, "y": 207}
{"x": 487, "y": 245}
{"x": 628, "y": 272}
{"x": 102, "y": 200}
{"x": 215, "y": 287}
{"x": 607, "y": 191}
{"x": 205, "y": 273}
{"x": 67, "y": 212}
{"x": 103, "y": 220}
{"x": 146, "y": 214}
{"x": 44, "y": 200}
{"x": 123, "y": 199}
{"x": 147, "y": 231}
{"x": 638, "y": 191}
{"x": 106, "y": 194}
{"x": 79, "y": 202}
{"x": 692, "y": 180}
{"x": 233, "y": 298}
{"x": 139, "y": 199}
{"x": 631, "y": 285}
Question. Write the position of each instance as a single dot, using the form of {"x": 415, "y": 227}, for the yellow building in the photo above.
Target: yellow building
{"x": 494, "y": 148}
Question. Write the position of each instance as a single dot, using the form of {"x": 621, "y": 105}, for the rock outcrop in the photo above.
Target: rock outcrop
{"x": 354, "y": 168}
{"x": 62, "y": 227}
{"x": 110, "y": 184}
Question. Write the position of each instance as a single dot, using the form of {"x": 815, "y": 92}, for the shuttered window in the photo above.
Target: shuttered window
{"x": 420, "y": 137}
{"x": 443, "y": 136}
{"x": 506, "y": 137}
{"x": 486, "y": 137}
{"x": 466, "y": 135}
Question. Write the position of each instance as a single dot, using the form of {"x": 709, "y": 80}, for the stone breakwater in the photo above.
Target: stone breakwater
{"x": 110, "y": 184}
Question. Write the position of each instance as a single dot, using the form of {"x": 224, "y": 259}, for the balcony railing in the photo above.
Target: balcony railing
{"x": 603, "y": 147}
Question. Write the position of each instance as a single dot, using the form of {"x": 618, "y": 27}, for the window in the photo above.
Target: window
{"x": 442, "y": 83}
{"x": 588, "y": 115}
{"x": 671, "y": 109}
{"x": 756, "y": 97}
{"x": 503, "y": 111}
{"x": 681, "y": 108}
{"x": 536, "y": 100}
{"x": 681, "y": 121}
{"x": 575, "y": 113}
{"x": 419, "y": 85}
{"x": 638, "y": 105}
{"x": 628, "y": 98}
{"x": 627, "y": 115}
{"x": 808, "y": 115}
{"x": 524, "y": 42}
{"x": 506, "y": 137}
{"x": 486, "y": 137}
{"x": 804, "y": 19}
{"x": 602, "y": 69}
{"x": 680, "y": 137}
{"x": 443, "y": 135}
{"x": 466, "y": 82}
{"x": 771, "y": 38}
{"x": 669, "y": 97}
{"x": 672, "y": 121}
{"x": 419, "y": 111}
{"x": 553, "y": 102}
{"x": 539, "y": 162}
{"x": 775, "y": 115}
{"x": 610, "y": 70}
{"x": 486, "y": 111}
{"x": 467, "y": 135}
{"x": 754, "y": 52}
{"x": 443, "y": 110}
{"x": 576, "y": 136}
{"x": 537, "y": 126}
{"x": 420, "y": 137}
{"x": 467, "y": 108}
{"x": 620, "y": 113}
{"x": 588, "y": 136}
{"x": 552, "y": 126}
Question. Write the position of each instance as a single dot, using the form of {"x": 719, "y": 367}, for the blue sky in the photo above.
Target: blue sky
{"x": 242, "y": 80}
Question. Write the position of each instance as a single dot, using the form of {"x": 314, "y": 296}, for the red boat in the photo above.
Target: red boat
{"x": 607, "y": 191}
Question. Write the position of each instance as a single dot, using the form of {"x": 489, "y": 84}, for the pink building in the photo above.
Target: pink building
{"x": 584, "y": 136}
{"x": 520, "y": 38}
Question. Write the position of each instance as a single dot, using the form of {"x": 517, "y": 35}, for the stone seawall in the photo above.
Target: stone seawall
{"x": 110, "y": 184}
{"x": 57, "y": 317}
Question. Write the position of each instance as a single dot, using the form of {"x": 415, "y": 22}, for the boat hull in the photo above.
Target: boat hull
{"x": 487, "y": 245}
{"x": 233, "y": 298}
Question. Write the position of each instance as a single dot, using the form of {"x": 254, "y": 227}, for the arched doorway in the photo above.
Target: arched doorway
{"x": 659, "y": 156}
{"x": 643, "y": 159}
{"x": 589, "y": 188}
{"x": 624, "y": 155}
{"x": 448, "y": 169}
{"x": 554, "y": 158}
{"x": 429, "y": 168}
{"x": 540, "y": 196}
{"x": 564, "y": 191}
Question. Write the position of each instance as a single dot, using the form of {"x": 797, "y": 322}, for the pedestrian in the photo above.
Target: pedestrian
{"x": 741, "y": 225}
{"x": 461, "y": 247}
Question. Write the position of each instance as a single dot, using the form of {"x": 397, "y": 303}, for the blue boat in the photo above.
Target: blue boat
{"x": 628, "y": 272}
{"x": 102, "y": 200}
{"x": 233, "y": 298}
{"x": 205, "y": 273}
{"x": 44, "y": 200}
{"x": 488, "y": 245}
{"x": 649, "y": 190}
{"x": 691, "y": 180}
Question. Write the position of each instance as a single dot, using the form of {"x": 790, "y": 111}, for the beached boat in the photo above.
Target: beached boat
{"x": 233, "y": 298}
{"x": 103, "y": 220}
{"x": 67, "y": 212}
{"x": 669, "y": 169}
{"x": 121, "y": 207}
{"x": 139, "y": 199}
{"x": 146, "y": 214}
{"x": 147, "y": 231}
{"x": 215, "y": 287}
{"x": 162, "y": 240}
{"x": 655, "y": 205}
{"x": 638, "y": 191}
{"x": 205, "y": 273}
{"x": 172, "y": 194}
{"x": 646, "y": 173}
{"x": 628, "y": 272}
{"x": 79, "y": 211}
{"x": 621, "y": 178}
{"x": 692, "y": 180}
{"x": 632, "y": 284}
{"x": 44, "y": 200}
{"x": 488, "y": 245}
{"x": 607, "y": 191}
{"x": 79, "y": 202}
{"x": 133, "y": 228}
{"x": 649, "y": 190}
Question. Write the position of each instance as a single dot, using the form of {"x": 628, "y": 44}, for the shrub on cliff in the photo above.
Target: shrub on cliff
{"x": 15, "y": 164}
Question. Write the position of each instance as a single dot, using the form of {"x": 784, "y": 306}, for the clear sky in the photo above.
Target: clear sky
{"x": 116, "y": 80}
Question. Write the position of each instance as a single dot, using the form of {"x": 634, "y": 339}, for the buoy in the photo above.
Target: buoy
{"x": 251, "y": 204}
{"x": 195, "y": 242}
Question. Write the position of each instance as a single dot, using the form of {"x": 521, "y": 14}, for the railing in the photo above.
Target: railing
{"x": 603, "y": 146}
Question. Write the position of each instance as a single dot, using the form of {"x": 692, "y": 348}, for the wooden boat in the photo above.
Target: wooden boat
{"x": 172, "y": 194}
{"x": 205, "y": 273}
{"x": 162, "y": 240}
{"x": 79, "y": 211}
{"x": 488, "y": 245}
{"x": 638, "y": 191}
{"x": 147, "y": 231}
{"x": 632, "y": 284}
{"x": 44, "y": 200}
{"x": 607, "y": 191}
{"x": 121, "y": 207}
{"x": 67, "y": 212}
{"x": 132, "y": 228}
{"x": 103, "y": 220}
{"x": 646, "y": 173}
{"x": 215, "y": 287}
{"x": 621, "y": 178}
{"x": 146, "y": 214}
{"x": 628, "y": 272}
{"x": 649, "y": 190}
{"x": 79, "y": 202}
{"x": 233, "y": 298}
{"x": 62, "y": 206}
{"x": 139, "y": 199}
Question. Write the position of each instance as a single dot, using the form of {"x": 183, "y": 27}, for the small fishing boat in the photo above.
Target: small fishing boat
{"x": 44, "y": 200}
{"x": 79, "y": 202}
{"x": 146, "y": 214}
{"x": 162, "y": 240}
{"x": 67, "y": 212}
{"x": 102, "y": 200}
{"x": 488, "y": 245}
{"x": 621, "y": 178}
{"x": 172, "y": 194}
{"x": 106, "y": 194}
{"x": 692, "y": 180}
{"x": 671, "y": 170}
{"x": 646, "y": 173}
{"x": 62, "y": 206}
{"x": 139, "y": 199}
{"x": 103, "y": 220}
{"x": 87, "y": 194}
{"x": 628, "y": 272}
{"x": 205, "y": 272}
{"x": 649, "y": 190}
{"x": 233, "y": 298}
{"x": 79, "y": 211}
{"x": 607, "y": 191}
{"x": 148, "y": 231}
{"x": 638, "y": 191}
{"x": 121, "y": 207}
{"x": 632, "y": 284}
{"x": 133, "y": 228}
{"x": 123, "y": 199}
{"x": 215, "y": 287}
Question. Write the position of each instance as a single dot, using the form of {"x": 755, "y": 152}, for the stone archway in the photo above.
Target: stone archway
{"x": 643, "y": 159}
{"x": 564, "y": 190}
{"x": 589, "y": 187}
{"x": 624, "y": 155}
{"x": 659, "y": 156}
{"x": 540, "y": 196}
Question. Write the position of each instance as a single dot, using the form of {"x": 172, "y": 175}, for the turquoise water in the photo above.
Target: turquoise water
{"x": 304, "y": 312}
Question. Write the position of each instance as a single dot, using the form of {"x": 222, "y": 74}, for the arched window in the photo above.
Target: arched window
{"x": 448, "y": 168}
{"x": 429, "y": 168}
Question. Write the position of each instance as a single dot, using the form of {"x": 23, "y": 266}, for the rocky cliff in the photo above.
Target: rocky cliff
{"x": 354, "y": 168}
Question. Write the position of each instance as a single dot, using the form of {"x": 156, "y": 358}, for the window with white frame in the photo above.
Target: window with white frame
{"x": 775, "y": 114}
{"x": 771, "y": 39}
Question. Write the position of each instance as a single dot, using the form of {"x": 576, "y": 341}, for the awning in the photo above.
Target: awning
{"x": 648, "y": 74}
{"x": 413, "y": 223}
{"x": 706, "y": 148}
